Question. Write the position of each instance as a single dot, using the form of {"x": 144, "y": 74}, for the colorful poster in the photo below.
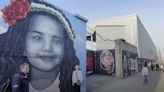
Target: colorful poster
{"x": 90, "y": 61}
{"x": 125, "y": 63}
{"x": 129, "y": 63}
{"x": 49, "y": 39}
{"x": 105, "y": 62}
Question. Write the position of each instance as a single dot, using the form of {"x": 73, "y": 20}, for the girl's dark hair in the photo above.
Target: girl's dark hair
{"x": 145, "y": 64}
{"x": 12, "y": 47}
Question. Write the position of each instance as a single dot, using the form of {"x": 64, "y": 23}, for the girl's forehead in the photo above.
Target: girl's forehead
{"x": 46, "y": 25}
{"x": 44, "y": 19}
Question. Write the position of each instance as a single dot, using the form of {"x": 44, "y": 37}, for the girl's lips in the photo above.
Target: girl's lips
{"x": 47, "y": 58}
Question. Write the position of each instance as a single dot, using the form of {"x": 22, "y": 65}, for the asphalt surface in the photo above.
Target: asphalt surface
{"x": 134, "y": 83}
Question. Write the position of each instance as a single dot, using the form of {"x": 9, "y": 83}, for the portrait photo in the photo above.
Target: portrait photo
{"x": 105, "y": 62}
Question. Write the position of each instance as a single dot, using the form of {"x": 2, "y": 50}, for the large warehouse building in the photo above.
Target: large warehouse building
{"x": 129, "y": 28}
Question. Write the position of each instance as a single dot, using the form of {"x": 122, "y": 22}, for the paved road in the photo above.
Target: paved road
{"x": 134, "y": 83}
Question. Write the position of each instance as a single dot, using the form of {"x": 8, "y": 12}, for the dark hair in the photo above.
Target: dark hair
{"x": 145, "y": 64}
{"x": 12, "y": 49}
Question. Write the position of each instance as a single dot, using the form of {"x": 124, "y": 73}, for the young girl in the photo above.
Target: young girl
{"x": 145, "y": 73}
{"x": 77, "y": 78}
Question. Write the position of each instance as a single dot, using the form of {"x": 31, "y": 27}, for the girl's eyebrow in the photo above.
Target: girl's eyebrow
{"x": 33, "y": 31}
{"x": 57, "y": 37}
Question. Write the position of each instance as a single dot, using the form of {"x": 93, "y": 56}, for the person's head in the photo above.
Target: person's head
{"x": 107, "y": 61}
{"x": 145, "y": 64}
{"x": 24, "y": 68}
{"x": 44, "y": 38}
{"x": 77, "y": 67}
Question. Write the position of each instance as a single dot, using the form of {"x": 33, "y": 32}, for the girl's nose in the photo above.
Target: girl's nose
{"x": 47, "y": 45}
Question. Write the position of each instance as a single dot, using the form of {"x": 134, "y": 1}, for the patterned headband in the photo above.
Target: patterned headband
{"x": 18, "y": 9}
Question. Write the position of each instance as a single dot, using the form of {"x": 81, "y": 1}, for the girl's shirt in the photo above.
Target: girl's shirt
{"x": 145, "y": 71}
{"x": 76, "y": 75}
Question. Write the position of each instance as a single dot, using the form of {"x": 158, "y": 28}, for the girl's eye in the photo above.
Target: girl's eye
{"x": 57, "y": 41}
{"x": 37, "y": 38}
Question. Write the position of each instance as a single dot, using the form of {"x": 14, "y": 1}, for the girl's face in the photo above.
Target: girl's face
{"x": 77, "y": 67}
{"x": 107, "y": 61}
{"x": 44, "y": 44}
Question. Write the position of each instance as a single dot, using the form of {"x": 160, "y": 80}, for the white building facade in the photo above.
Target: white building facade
{"x": 129, "y": 28}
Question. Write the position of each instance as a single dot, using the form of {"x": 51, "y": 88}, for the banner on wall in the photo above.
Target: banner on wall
{"x": 105, "y": 62}
{"x": 51, "y": 40}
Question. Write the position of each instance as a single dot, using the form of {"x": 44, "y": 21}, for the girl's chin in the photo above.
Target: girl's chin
{"x": 44, "y": 68}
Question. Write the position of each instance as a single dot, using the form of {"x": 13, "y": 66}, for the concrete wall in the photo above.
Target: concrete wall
{"x": 129, "y": 23}
{"x": 106, "y": 35}
{"x": 121, "y": 46}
